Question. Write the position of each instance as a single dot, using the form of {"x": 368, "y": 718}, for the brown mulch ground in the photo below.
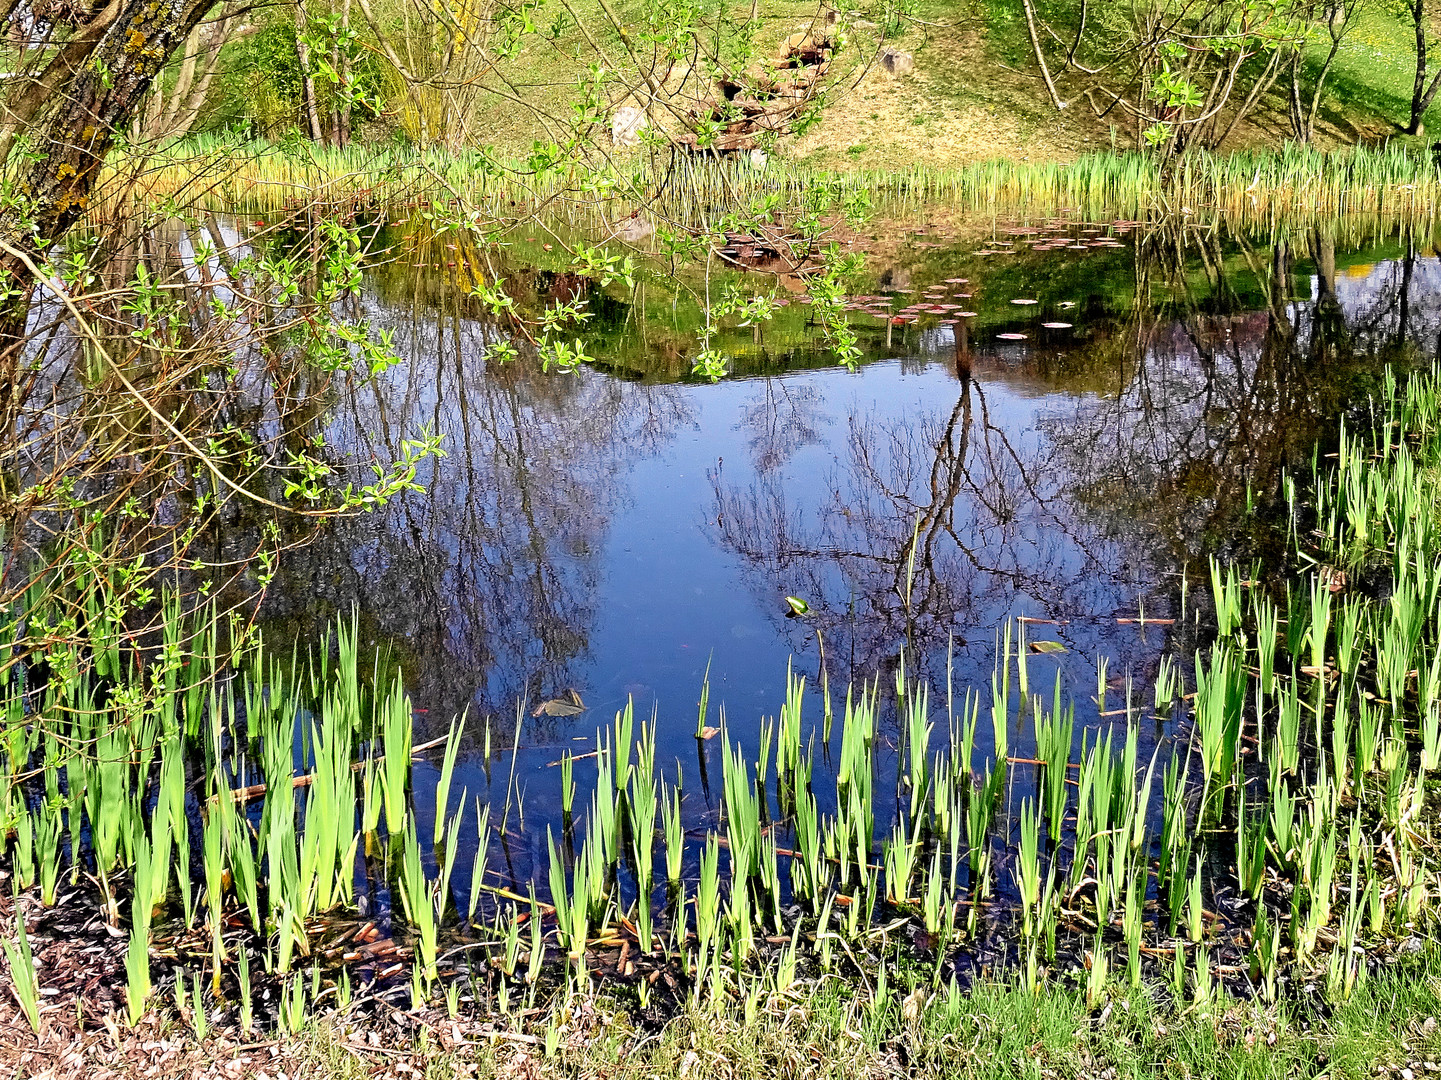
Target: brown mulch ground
{"x": 80, "y": 964}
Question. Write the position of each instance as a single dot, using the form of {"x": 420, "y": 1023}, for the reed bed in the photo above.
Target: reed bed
{"x": 229, "y": 801}
{"x": 1396, "y": 179}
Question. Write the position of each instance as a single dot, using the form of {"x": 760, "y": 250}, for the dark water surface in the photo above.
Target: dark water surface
{"x": 621, "y": 531}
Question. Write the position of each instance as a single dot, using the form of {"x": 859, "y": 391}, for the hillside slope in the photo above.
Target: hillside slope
{"x": 970, "y": 96}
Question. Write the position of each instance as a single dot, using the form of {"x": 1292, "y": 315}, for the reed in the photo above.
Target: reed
{"x": 1218, "y": 711}
{"x": 674, "y": 825}
{"x": 828, "y": 869}
{"x": 137, "y": 955}
{"x": 703, "y": 713}
{"x": 1054, "y": 735}
{"x": 1226, "y": 593}
{"x": 24, "y": 981}
{"x": 643, "y": 803}
{"x": 1395, "y": 179}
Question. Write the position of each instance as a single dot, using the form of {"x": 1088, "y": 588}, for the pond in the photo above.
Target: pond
{"x": 1116, "y": 409}
{"x": 963, "y": 599}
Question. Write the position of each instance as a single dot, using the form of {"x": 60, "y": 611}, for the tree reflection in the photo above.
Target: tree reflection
{"x": 933, "y": 525}
{"x": 1219, "y": 399}
{"x": 485, "y": 585}
{"x": 943, "y": 522}
{"x": 783, "y": 417}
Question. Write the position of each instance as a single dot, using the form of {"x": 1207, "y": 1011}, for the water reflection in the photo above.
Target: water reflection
{"x": 622, "y": 537}
{"x": 932, "y": 524}
{"x": 486, "y": 585}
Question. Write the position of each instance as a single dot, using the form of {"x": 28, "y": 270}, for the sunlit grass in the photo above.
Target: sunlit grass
{"x": 1397, "y": 179}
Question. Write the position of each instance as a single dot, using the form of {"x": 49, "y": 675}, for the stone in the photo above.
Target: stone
{"x": 897, "y": 63}
{"x": 634, "y": 229}
{"x": 805, "y": 50}
{"x": 626, "y": 124}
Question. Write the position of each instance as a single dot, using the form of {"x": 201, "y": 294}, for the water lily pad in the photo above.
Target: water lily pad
{"x": 1025, "y": 302}
{"x": 1012, "y": 337}
{"x": 797, "y": 606}
{"x": 1045, "y": 646}
{"x": 1056, "y": 325}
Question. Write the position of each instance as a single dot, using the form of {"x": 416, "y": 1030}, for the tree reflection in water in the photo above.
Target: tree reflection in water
{"x": 1161, "y": 432}
{"x": 485, "y": 586}
{"x": 1071, "y": 478}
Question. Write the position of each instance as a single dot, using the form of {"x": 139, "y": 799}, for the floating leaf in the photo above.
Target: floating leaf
{"x": 1012, "y": 337}
{"x": 568, "y": 704}
{"x": 797, "y": 606}
{"x": 1025, "y": 301}
{"x": 1046, "y": 646}
{"x": 708, "y": 732}
{"x": 1056, "y": 325}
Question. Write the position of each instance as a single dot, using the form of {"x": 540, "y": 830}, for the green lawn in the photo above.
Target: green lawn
{"x": 1371, "y": 79}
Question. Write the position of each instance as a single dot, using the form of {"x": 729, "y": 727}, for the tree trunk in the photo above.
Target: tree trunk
{"x": 1306, "y": 118}
{"x": 1420, "y": 95}
{"x": 183, "y": 116}
{"x": 183, "y": 80}
{"x": 343, "y": 70}
{"x": 188, "y": 96}
{"x": 307, "y": 81}
{"x": 336, "y": 138}
{"x": 70, "y": 134}
{"x": 1040, "y": 54}
{"x": 171, "y": 113}
{"x": 1298, "y": 116}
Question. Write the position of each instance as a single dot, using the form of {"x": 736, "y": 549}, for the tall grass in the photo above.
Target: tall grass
{"x": 1395, "y": 179}
{"x": 1294, "y": 785}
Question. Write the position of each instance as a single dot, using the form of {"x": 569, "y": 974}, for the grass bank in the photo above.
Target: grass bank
{"x": 974, "y": 93}
{"x": 833, "y": 1028}
{"x": 993, "y": 1031}
{"x": 1398, "y": 179}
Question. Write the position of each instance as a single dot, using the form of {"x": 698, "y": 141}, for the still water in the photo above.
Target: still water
{"x": 625, "y": 532}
